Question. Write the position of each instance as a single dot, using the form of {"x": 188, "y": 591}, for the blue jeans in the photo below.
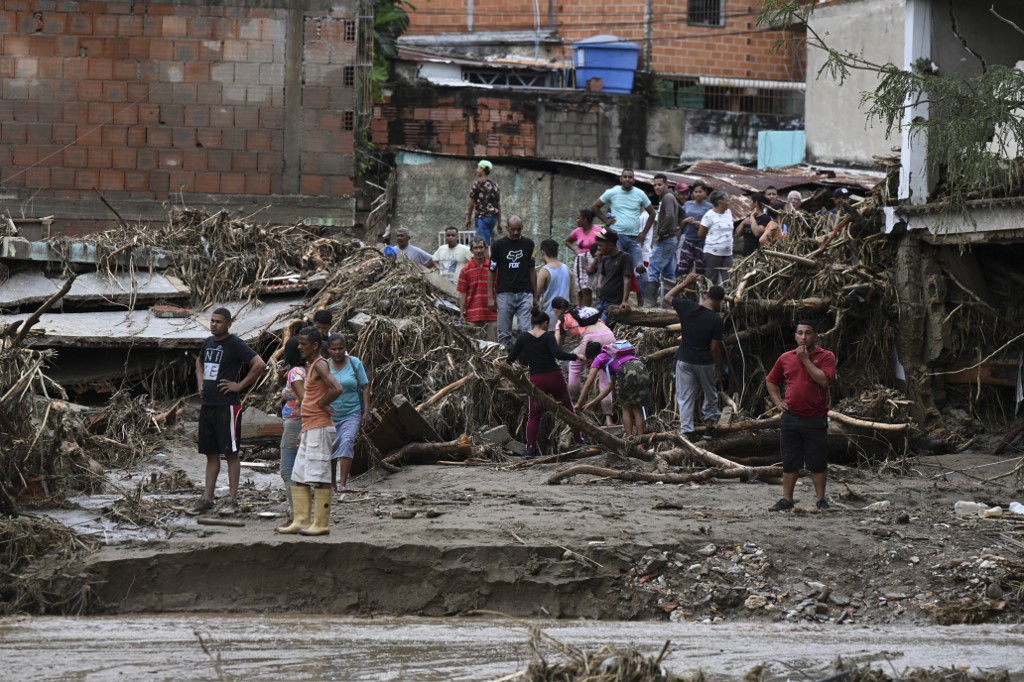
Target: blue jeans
{"x": 634, "y": 247}
{"x": 663, "y": 261}
{"x": 485, "y": 226}
{"x": 517, "y": 304}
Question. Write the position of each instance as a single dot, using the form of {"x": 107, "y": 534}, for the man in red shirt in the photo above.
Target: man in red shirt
{"x": 474, "y": 307}
{"x": 807, "y": 372}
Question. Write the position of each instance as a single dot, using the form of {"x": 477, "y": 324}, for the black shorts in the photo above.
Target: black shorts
{"x": 219, "y": 429}
{"x": 803, "y": 443}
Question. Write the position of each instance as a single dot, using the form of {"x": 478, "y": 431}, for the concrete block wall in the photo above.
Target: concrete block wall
{"x": 152, "y": 99}
{"x": 739, "y": 49}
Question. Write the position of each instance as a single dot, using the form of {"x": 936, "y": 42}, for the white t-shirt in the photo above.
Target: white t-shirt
{"x": 451, "y": 261}
{"x": 718, "y": 241}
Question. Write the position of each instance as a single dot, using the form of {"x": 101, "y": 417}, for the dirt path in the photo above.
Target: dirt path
{"x": 440, "y": 540}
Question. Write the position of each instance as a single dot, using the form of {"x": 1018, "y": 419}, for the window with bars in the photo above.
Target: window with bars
{"x": 348, "y": 120}
{"x": 350, "y": 31}
{"x": 349, "y": 77}
{"x": 706, "y": 12}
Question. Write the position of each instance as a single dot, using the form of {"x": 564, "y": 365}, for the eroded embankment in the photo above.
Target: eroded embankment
{"x": 362, "y": 578}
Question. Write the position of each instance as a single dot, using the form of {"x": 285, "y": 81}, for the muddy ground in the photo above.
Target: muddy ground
{"x": 447, "y": 539}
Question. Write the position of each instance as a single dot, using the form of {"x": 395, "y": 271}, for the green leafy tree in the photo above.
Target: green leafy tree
{"x": 975, "y": 127}
{"x": 390, "y": 20}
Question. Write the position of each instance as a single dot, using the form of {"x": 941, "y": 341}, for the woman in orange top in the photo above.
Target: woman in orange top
{"x": 313, "y": 460}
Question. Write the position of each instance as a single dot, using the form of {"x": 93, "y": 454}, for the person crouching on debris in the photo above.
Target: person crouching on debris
{"x": 807, "y": 372}
{"x": 351, "y": 408}
{"x": 584, "y": 322}
{"x": 220, "y": 418}
{"x": 313, "y": 460}
{"x": 538, "y": 350}
{"x": 627, "y": 376}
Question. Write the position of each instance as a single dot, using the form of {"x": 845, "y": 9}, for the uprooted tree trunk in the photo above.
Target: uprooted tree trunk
{"x": 843, "y": 440}
{"x": 426, "y": 453}
{"x": 577, "y": 422}
{"x": 742, "y": 473}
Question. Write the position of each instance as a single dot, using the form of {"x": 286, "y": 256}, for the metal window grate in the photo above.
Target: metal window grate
{"x": 350, "y": 31}
{"x": 348, "y": 120}
{"x": 465, "y": 236}
{"x": 349, "y": 76}
{"x": 706, "y": 12}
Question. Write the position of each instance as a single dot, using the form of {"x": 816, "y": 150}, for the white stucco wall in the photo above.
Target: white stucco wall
{"x": 837, "y": 128}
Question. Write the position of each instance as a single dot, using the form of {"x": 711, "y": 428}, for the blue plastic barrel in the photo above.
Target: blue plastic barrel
{"x": 609, "y": 58}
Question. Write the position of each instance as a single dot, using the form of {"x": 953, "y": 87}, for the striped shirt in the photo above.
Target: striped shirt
{"x": 473, "y": 283}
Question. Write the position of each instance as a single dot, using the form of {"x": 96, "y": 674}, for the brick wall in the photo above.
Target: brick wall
{"x": 143, "y": 100}
{"x": 739, "y": 49}
{"x": 467, "y": 122}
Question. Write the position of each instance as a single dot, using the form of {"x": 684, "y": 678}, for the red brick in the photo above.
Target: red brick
{"x": 43, "y": 46}
{"x": 89, "y": 135}
{"x": 100, "y": 112}
{"x": 182, "y": 181}
{"x": 138, "y": 48}
{"x": 183, "y": 138}
{"x": 209, "y": 93}
{"x": 159, "y": 183}
{"x": 258, "y": 140}
{"x": 87, "y": 179}
{"x": 149, "y": 114}
{"x": 147, "y": 159}
{"x": 62, "y": 178}
{"x": 90, "y": 90}
{"x": 125, "y": 114}
{"x": 232, "y": 183}
{"x": 158, "y": 137}
{"x": 12, "y": 133}
{"x": 209, "y": 138}
{"x": 194, "y": 160}
{"x": 117, "y": 48}
{"x": 99, "y": 157}
{"x": 112, "y": 180}
{"x": 37, "y": 178}
{"x": 105, "y": 25}
{"x": 311, "y": 185}
{"x": 200, "y": 28}
{"x": 219, "y": 160}
{"x": 100, "y": 68}
{"x": 129, "y": 25}
{"x": 197, "y": 72}
{"x": 222, "y": 117}
{"x": 270, "y": 162}
{"x": 161, "y": 49}
{"x": 247, "y": 117}
{"x": 124, "y": 158}
{"x": 137, "y": 136}
{"x": 115, "y": 136}
{"x": 64, "y": 133}
{"x": 175, "y": 26}
{"x": 233, "y": 138}
{"x": 152, "y": 25}
{"x": 208, "y": 183}
{"x": 244, "y": 162}
{"x": 272, "y": 119}
{"x": 38, "y": 133}
{"x": 169, "y": 159}
{"x": 257, "y": 184}
{"x": 136, "y": 181}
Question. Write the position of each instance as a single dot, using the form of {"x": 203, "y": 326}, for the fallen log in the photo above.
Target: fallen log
{"x": 742, "y": 336}
{"x": 214, "y": 521}
{"x": 577, "y": 422}
{"x": 432, "y": 400}
{"x": 843, "y": 442}
{"x": 642, "y": 317}
{"x": 793, "y": 258}
{"x": 812, "y": 304}
{"x": 864, "y": 424}
{"x": 431, "y": 452}
{"x": 742, "y": 473}
{"x": 688, "y": 450}
{"x": 560, "y": 457}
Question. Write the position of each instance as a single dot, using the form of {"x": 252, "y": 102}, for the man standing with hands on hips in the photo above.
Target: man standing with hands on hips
{"x": 219, "y": 373}
{"x": 807, "y": 372}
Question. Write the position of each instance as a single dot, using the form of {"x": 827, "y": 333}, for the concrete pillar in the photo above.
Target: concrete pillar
{"x": 917, "y": 44}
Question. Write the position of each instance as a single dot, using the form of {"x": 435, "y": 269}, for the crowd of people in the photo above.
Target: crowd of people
{"x": 623, "y": 245}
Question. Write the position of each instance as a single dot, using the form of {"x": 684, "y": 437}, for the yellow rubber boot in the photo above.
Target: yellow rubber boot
{"x": 321, "y": 512}
{"x": 300, "y": 510}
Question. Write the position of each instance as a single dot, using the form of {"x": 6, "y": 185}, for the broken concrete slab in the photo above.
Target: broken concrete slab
{"x": 140, "y": 329}
{"x": 16, "y": 248}
{"x": 28, "y": 288}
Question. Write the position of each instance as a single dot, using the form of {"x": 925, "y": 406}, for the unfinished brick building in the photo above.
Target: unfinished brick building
{"x": 222, "y": 103}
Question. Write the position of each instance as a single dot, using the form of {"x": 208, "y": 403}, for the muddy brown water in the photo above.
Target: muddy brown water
{"x": 315, "y": 647}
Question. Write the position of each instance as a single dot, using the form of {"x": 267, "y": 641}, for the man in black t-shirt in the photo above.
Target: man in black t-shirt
{"x": 514, "y": 279}
{"x": 699, "y": 358}
{"x": 615, "y": 268}
{"x": 218, "y": 367}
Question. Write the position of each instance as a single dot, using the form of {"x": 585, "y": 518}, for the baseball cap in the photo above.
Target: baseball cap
{"x": 841, "y": 193}
{"x": 682, "y": 187}
{"x": 485, "y": 164}
{"x": 606, "y": 234}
